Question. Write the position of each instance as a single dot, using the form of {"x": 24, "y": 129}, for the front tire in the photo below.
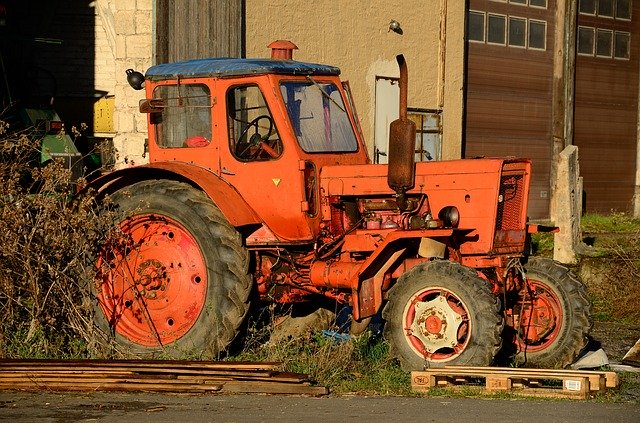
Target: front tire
{"x": 174, "y": 278}
{"x": 441, "y": 313}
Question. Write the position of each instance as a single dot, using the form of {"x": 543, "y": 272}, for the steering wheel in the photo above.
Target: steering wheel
{"x": 256, "y": 140}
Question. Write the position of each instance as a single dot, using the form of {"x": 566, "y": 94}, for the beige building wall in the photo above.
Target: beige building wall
{"x": 355, "y": 37}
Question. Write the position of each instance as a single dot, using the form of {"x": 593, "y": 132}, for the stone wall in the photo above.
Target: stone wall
{"x": 128, "y": 25}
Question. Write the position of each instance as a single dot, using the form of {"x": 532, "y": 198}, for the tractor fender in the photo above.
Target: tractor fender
{"x": 224, "y": 195}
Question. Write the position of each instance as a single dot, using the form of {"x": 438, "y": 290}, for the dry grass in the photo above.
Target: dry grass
{"x": 612, "y": 280}
{"x": 46, "y": 256}
{"x": 360, "y": 365}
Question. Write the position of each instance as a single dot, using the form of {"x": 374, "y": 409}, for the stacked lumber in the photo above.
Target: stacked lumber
{"x": 554, "y": 383}
{"x": 153, "y": 376}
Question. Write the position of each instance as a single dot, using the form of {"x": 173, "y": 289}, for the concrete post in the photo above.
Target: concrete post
{"x": 567, "y": 206}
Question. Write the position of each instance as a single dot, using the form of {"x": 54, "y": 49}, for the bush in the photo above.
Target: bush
{"x": 46, "y": 255}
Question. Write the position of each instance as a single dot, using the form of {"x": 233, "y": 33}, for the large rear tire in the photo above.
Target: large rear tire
{"x": 556, "y": 316}
{"x": 174, "y": 279}
{"x": 441, "y": 313}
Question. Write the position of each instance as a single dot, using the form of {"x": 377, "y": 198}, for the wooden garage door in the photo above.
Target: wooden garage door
{"x": 197, "y": 29}
{"x": 606, "y": 98}
{"x": 509, "y": 87}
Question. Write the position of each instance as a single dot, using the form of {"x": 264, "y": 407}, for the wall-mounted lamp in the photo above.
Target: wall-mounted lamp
{"x": 135, "y": 79}
{"x": 395, "y": 27}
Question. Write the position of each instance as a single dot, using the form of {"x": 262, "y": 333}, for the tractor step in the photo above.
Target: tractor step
{"x": 555, "y": 383}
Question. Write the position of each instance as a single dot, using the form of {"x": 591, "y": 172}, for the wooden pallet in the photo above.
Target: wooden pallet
{"x": 553, "y": 383}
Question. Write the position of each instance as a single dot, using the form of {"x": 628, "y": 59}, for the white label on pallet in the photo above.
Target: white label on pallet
{"x": 572, "y": 385}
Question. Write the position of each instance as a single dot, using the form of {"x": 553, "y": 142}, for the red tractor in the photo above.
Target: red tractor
{"x": 259, "y": 187}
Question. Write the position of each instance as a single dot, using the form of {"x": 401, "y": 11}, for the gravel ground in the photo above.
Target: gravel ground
{"x": 614, "y": 338}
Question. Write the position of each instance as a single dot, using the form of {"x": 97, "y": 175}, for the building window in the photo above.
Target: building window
{"x": 517, "y": 29}
{"x": 428, "y": 134}
{"x": 506, "y": 30}
{"x": 623, "y": 9}
{"x": 475, "y": 30}
{"x": 604, "y": 42}
{"x": 586, "y": 37}
{"x": 537, "y": 34}
{"x": 622, "y": 45}
{"x": 587, "y": 7}
{"x": 605, "y": 8}
{"x": 538, "y": 3}
{"x": 496, "y": 29}
{"x": 523, "y": 2}
{"x": 620, "y": 9}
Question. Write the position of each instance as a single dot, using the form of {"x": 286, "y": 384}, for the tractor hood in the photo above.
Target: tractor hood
{"x": 483, "y": 190}
{"x": 358, "y": 180}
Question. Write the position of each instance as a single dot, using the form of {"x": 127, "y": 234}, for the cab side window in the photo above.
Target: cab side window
{"x": 253, "y": 135}
{"x": 185, "y": 120}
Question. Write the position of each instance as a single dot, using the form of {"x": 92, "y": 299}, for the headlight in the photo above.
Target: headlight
{"x": 450, "y": 216}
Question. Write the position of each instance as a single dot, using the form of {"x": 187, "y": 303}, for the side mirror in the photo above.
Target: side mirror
{"x": 153, "y": 105}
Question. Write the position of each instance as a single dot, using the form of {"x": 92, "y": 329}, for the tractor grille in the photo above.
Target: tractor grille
{"x": 510, "y": 213}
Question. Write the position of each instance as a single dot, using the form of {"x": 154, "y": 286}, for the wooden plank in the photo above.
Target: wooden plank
{"x": 136, "y": 370}
{"x": 96, "y": 380}
{"x": 273, "y": 388}
{"x": 113, "y": 386}
{"x": 276, "y": 377}
{"x": 161, "y": 364}
{"x": 71, "y": 376}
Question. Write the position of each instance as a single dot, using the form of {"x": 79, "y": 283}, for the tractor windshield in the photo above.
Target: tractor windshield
{"x": 318, "y": 116}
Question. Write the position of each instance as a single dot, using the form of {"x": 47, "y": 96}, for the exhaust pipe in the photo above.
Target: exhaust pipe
{"x": 402, "y": 138}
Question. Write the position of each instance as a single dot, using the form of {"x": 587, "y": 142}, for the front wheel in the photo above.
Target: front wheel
{"x": 174, "y": 279}
{"x": 554, "y": 316}
{"x": 441, "y": 313}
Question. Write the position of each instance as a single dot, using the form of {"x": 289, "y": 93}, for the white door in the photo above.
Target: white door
{"x": 387, "y": 110}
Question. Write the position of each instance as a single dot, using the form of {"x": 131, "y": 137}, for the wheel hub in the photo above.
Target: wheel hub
{"x": 436, "y": 324}
{"x": 541, "y": 317}
{"x": 152, "y": 277}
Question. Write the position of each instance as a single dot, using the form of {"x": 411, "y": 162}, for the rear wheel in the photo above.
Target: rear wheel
{"x": 441, "y": 313}
{"x": 174, "y": 278}
{"x": 554, "y": 316}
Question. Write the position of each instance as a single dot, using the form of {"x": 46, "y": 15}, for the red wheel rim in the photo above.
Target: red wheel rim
{"x": 540, "y": 319}
{"x": 152, "y": 280}
{"x": 436, "y": 324}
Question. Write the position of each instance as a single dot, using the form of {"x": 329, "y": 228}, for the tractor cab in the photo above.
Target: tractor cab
{"x": 265, "y": 126}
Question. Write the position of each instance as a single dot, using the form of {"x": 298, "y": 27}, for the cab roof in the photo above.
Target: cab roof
{"x": 223, "y": 67}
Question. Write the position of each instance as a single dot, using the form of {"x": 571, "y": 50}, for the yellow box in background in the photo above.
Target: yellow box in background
{"x": 103, "y": 115}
